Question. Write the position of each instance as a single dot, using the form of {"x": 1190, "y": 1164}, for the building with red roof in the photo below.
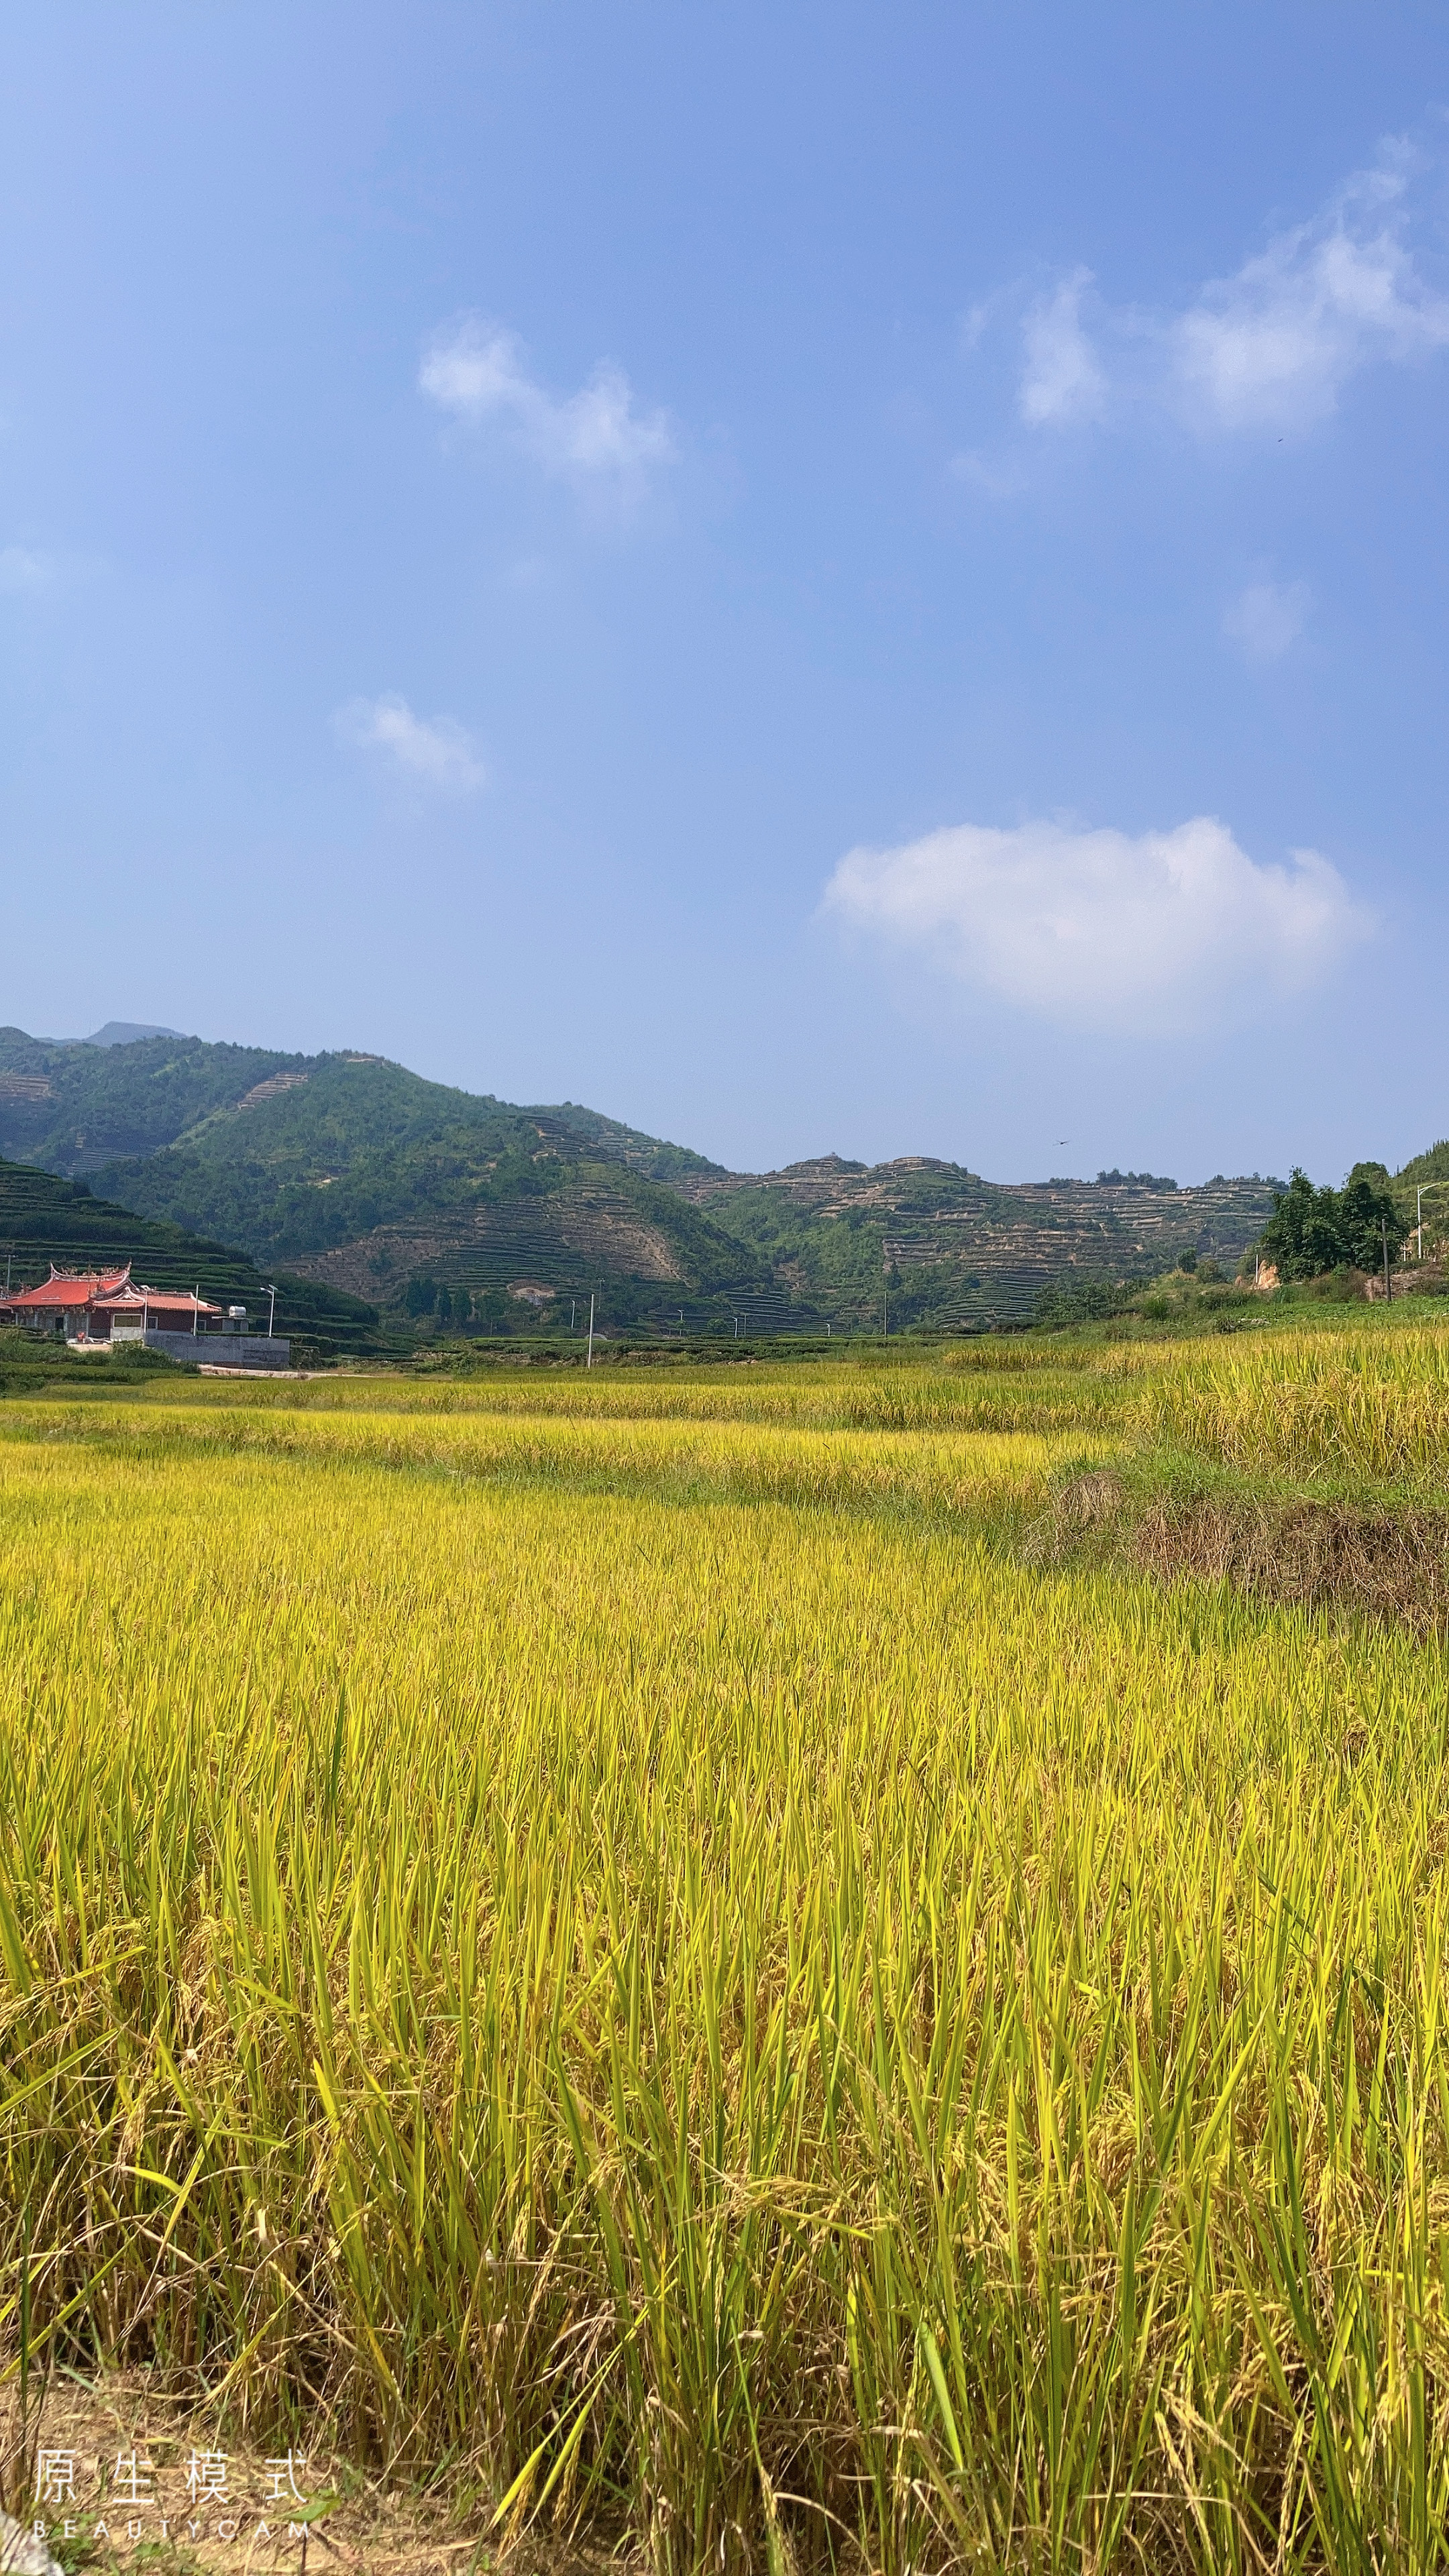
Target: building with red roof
{"x": 91, "y": 1307}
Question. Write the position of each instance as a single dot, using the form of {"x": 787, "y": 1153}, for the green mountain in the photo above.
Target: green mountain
{"x": 44, "y": 1219}
{"x": 425, "y": 1201}
{"x": 366, "y": 1179}
{"x": 76, "y": 1107}
{"x": 1429, "y": 1170}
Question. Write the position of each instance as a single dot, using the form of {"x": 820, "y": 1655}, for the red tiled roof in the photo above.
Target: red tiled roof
{"x": 155, "y": 1301}
{"x": 72, "y": 1288}
{"x": 105, "y": 1292}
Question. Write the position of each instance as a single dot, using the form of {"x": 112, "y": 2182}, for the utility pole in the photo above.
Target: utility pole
{"x": 590, "y": 1360}
{"x": 196, "y": 1311}
{"x": 1384, "y": 1230}
{"x": 271, "y": 1310}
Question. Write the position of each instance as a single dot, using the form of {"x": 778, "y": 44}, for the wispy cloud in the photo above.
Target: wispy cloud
{"x": 476, "y": 371}
{"x": 21, "y": 569}
{"x": 1269, "y": 348}
{"x": 1273, "y": 346}
{"x": 431, "y": 749}
{"x": 1001, "y": 479}
{"x": 1143, "y": 935}
{"x": 1062, "y": 377}
{"x": 1267, "y": 617}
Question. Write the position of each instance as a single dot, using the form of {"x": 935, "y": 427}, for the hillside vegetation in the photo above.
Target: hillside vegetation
{"x": 75, "y": 1108}
{"x": 366, "y": 1177}
{"x": 447, "y": 1209}
{"x": 922, "y": 1243}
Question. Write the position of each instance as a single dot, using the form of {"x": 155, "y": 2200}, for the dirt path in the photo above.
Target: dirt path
{"x": 121, "y": 2475}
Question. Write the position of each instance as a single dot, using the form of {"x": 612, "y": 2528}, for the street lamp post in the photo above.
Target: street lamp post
{"x": 1419, "y": 1189}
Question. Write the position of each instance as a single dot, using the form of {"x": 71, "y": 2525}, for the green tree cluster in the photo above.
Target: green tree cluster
{"x": 428, "y": 1296}
{"x": 1081, "y": 1301}
{"x": 1312, "y": 1231}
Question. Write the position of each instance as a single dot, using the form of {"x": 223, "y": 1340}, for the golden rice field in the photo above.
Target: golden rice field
{"x": 629, "y": 1943}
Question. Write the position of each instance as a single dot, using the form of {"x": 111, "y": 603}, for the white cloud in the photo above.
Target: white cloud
{"x": 1269, "y": 348}
{"x": 1273, "y": 346}
{"x": 1142, "y": 936}
{"x": 432, "y": 749}
{"x": 977, "y": 319}
{"x": 1267, "y": 617}
{"x": 475, "y": 370}
{"x": 1062, "y": 379}
{"x": 23, "y": 570}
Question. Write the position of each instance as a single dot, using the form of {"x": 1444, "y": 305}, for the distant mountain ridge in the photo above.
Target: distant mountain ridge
{"x": 423, "y": 1199}
{"x": 126, "y": 1032}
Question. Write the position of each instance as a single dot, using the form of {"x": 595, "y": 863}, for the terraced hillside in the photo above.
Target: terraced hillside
{"x": 74, "y": 1108}
{"x": 44, "y": 1219}
{"x": 927, "y": 1242}
{"x": 433, "y": 1202}
{"x": 78, "y": 1106}
{"x": 530, "y": 1248}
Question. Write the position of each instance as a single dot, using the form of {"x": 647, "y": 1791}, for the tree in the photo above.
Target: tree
{"x": 1370, "y": 1216}
{"x": 1315, "y": 1230}
{"x": 1301, "y": 1237}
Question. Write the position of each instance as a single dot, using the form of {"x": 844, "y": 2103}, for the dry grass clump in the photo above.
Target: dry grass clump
{"x": 1389, "y": 1565}
{"x": 703, "y": 2011}
{"x": 1296, "y": 1551}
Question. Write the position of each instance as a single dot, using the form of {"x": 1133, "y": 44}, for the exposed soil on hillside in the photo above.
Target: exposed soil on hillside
{"x": 575, "y": 1232}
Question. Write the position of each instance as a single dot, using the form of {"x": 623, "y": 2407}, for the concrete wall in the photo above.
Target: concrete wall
{"x": 224, "y": 1350}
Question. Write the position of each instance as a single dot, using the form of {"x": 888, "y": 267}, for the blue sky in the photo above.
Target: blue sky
{"x": 815, "y": 578}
